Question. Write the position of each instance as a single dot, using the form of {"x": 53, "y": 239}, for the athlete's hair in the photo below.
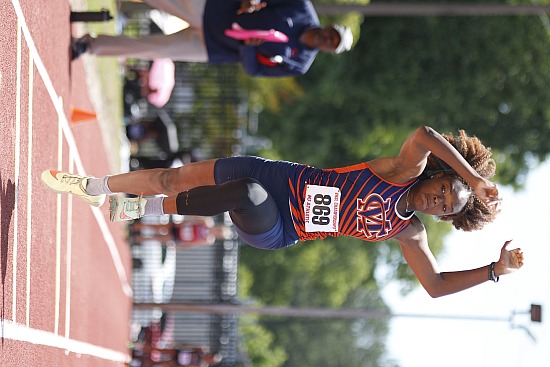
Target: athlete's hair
{"x": 475, "y": 213}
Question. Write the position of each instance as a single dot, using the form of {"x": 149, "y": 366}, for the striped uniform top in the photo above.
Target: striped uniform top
{"x": 367, "y": 207}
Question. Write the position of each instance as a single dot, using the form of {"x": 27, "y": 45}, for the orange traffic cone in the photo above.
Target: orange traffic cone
{"x": 78, "y": 115}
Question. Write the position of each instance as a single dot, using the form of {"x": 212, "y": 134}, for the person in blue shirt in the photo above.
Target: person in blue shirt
{"x": 205, "y": 40}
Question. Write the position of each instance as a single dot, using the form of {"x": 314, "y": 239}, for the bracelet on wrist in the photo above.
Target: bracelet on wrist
{"x": 492, "y": 275}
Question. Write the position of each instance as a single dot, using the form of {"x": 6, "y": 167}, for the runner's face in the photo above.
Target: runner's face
{"x": 439, "y": 196}
{"x": 328, "y": 39}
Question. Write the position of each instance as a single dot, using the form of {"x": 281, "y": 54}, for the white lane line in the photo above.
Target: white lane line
{"x": 57, "y": 283}
{"x": 115, "y": 255}
{"x": 49, "y": 86}
{"x": 121, "y": 271}
{"x": 40, "y": 337}
{"x": 16, "y": 170}
{"x": 58, "y": 225}
{"x": 68, "y": 258}
{"x": 29, "y": 191}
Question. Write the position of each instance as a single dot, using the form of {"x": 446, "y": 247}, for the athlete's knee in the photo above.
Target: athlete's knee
{"x": 256, "y": 212}
{"x": 168, "y": 179}
{"x": 243, "y": 195}
{"x": 251, "y": 193}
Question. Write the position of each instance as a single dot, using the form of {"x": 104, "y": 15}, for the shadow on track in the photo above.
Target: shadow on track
{"x": 7, "y": 206}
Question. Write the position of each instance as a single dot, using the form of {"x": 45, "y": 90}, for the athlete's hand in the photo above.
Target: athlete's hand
{"x": 251, "y": 6}
{"x": 510, "y": 260}
{"x": 487, "y": 192}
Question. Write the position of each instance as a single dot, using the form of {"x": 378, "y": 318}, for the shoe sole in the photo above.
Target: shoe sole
{"x": 113, "y": 205}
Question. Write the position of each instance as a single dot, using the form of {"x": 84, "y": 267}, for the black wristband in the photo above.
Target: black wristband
{"x": 492, "y": 275}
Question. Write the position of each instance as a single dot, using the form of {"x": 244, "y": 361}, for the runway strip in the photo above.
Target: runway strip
{"x": 13, "y": 330}
{"x": 39, "y": 337}
{"x": 72, "y": 146}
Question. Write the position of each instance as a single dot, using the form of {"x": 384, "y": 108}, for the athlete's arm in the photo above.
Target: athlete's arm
{"x": 413, "y": 157}
{"x": 414, "y": 246}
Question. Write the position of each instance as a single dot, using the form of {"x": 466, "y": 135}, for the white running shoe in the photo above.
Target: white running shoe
{"x": 125, "y": 208}
{"x": 63, "y": 182}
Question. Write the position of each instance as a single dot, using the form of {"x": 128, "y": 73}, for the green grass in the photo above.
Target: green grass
{"x": 104, "y": 81}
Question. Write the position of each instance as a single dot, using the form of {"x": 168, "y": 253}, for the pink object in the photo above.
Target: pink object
{"x": 161, "y": 82}
{"x": 241, "y": 34}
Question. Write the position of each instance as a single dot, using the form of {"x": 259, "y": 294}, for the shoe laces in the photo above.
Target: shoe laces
{"x": 71, "y": 179}
{"x": 76, "y": 181}
{"x": 132, "y": 205}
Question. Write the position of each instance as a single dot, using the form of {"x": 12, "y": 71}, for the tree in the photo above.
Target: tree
{"x": 487, "y": 75}
{"x": 400, "y": 8}
{"x": 258, "y": 342}
{"x": 327, "y": 274}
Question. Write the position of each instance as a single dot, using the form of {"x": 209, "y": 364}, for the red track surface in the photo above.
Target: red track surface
{"x": 64, "y": 268}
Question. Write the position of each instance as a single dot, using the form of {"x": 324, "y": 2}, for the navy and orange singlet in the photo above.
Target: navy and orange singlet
{"x": 365, "y": 208}
{"x": 366, "y": 203}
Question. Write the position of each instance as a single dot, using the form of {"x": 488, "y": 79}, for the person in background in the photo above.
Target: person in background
{"x": 191, "y": 232}
{"x": 205, "y": 40}
{"x": 175, "y": 356}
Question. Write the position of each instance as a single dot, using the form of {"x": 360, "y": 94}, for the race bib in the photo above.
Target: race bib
{"x": 321, "y": 208}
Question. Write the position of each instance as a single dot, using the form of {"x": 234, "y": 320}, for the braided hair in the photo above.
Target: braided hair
{"x": 475, "y": 213}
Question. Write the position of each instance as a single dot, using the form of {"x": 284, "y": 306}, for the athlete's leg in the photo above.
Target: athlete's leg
{"x": 189, "y": 10}
{"x": 186, "y": 45}
{"x": 168, "y": 181}
{"x": 251, "y": 207}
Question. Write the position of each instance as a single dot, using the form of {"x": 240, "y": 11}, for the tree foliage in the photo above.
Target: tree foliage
{"x": 487, "y": 75}
{"x": 259, "y": 344}
{"x": 328, "y": 274}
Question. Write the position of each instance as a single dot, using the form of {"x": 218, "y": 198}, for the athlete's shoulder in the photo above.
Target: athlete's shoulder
{"x": 414, "y": 229}
{"x": 354, "y": 167}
